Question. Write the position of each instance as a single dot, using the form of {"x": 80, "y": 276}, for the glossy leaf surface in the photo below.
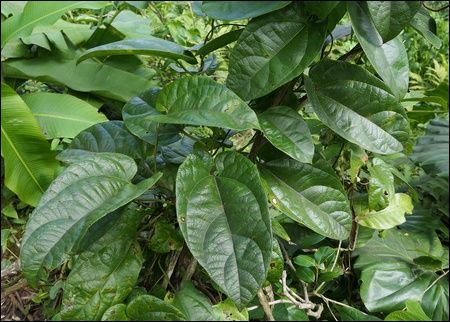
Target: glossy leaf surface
{"x": 391, "y": 17}
{"x": 135, "y": 114}
{"x": 81, "y": 195}
{"x": 111, "y": 136}
{"x": 194, "y": 304}
{"x": 309, "y": 194}
{"x": 272, "y": 50}
{"x": 105, "y": 273}
{"x": 389, "y": 274}
{"x": 287, "y": 131}
{"x": 237, "y": 10}
{"x": 199, "y": 100}
{"x": 144, "y": 46}
{"x": 234, "y": 249}
{"x": 357, "y": 106}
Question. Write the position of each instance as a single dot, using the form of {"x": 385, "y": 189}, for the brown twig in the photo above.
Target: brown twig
{"x": 15, "y": 287}
{"x": 265, "y": 305}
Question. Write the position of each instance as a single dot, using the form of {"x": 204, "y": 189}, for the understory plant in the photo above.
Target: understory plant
{"x": 221, "y": 160}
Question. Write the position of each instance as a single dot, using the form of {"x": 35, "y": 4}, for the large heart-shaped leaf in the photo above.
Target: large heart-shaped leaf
{"x": 225, "y": 222}
{"x": 194, "y": 304}
{"x": 272, "y": 50}
{"x": 30, "y": 166}
{"x": 81, "y": 195}
{"x": 198, "y": 100}
{"x": 105, "y": 273}
{"x": 309, "y": 194}
{"x": 391, "y": 17}
{"x": 141, "y": 46}
{"x": 338, "y": 92}
{"x": 62, "y": 115}
{"x": 135, "y": 114}
{"x": 287, "y": 131}
{"x": 41, "y": 13}
{"x": 111, "y": 136}
{"x": 237, "y": 10}
{"x": 391, "y": 270}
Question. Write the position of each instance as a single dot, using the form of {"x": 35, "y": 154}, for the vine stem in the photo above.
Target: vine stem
{"x": 333, "y": 266}
{"x": 435, "y": 281}
{"x": 265, "y": 305}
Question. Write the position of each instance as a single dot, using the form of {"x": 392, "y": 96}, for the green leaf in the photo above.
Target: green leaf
{"x": 426, "y": 26}
{"x": 30, "y": 166}
{"x": 237, "y": 10}
{"x": 135, "y": 114}
{"x": 391, "y": 17}
{"x": 48, "y": 36}
{"x": 389, "y": 217}
{"x": 165, "y": 238}
{"x": 362, "y": 22}
{"x": 150, "y": 308}
{"x": 287, "y": 131}
{"x": 229, "y": 311}
{"x": 62, "y": 115}
{"x": 304, "y": 261}
{"x": 11, "y": 8}
{"x": 309, "y": 194}
{"x": 81, "y": 195}
{"x": 105, "y": 273}
{"x": 276, "y": 265}
{"x": 111, "y": 136}
{"x": 235, "y": 250}
{"x": 194, "y": 304}
{"x": 338, "y": 95}
{"x": 381, "y": 184}
{"x": 352, "y": 314}
{"x": 198, "y": 100}
{"x": 306, "y": 274}
{"x": 260, "y": 64}
{"x": 324, "y": 255}
{"x": 389, "y": 275}
{"x": 10, "y": 212}
{"x": 389, "y": 59}
{"x": 435, "y": 301}
{"x": 321, "y": 9}
{"x": 116, "y": 313}
{"x": 286, "y": 312}
{"x": 414, "y": 312}
{"x": 38, "y": 14}
{"x": 141, "y": 46}
{"x": 133, "y": 25}
{"x": 90, "y": 76}
{"x": 431, "y": 150}
{"x": 219, "y": 42}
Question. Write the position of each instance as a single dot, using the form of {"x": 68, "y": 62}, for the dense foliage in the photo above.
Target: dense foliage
{"x": 226, "y": 160}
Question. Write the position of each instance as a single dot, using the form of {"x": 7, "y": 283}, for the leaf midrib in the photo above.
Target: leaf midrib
{"x": 62, "y": 117}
